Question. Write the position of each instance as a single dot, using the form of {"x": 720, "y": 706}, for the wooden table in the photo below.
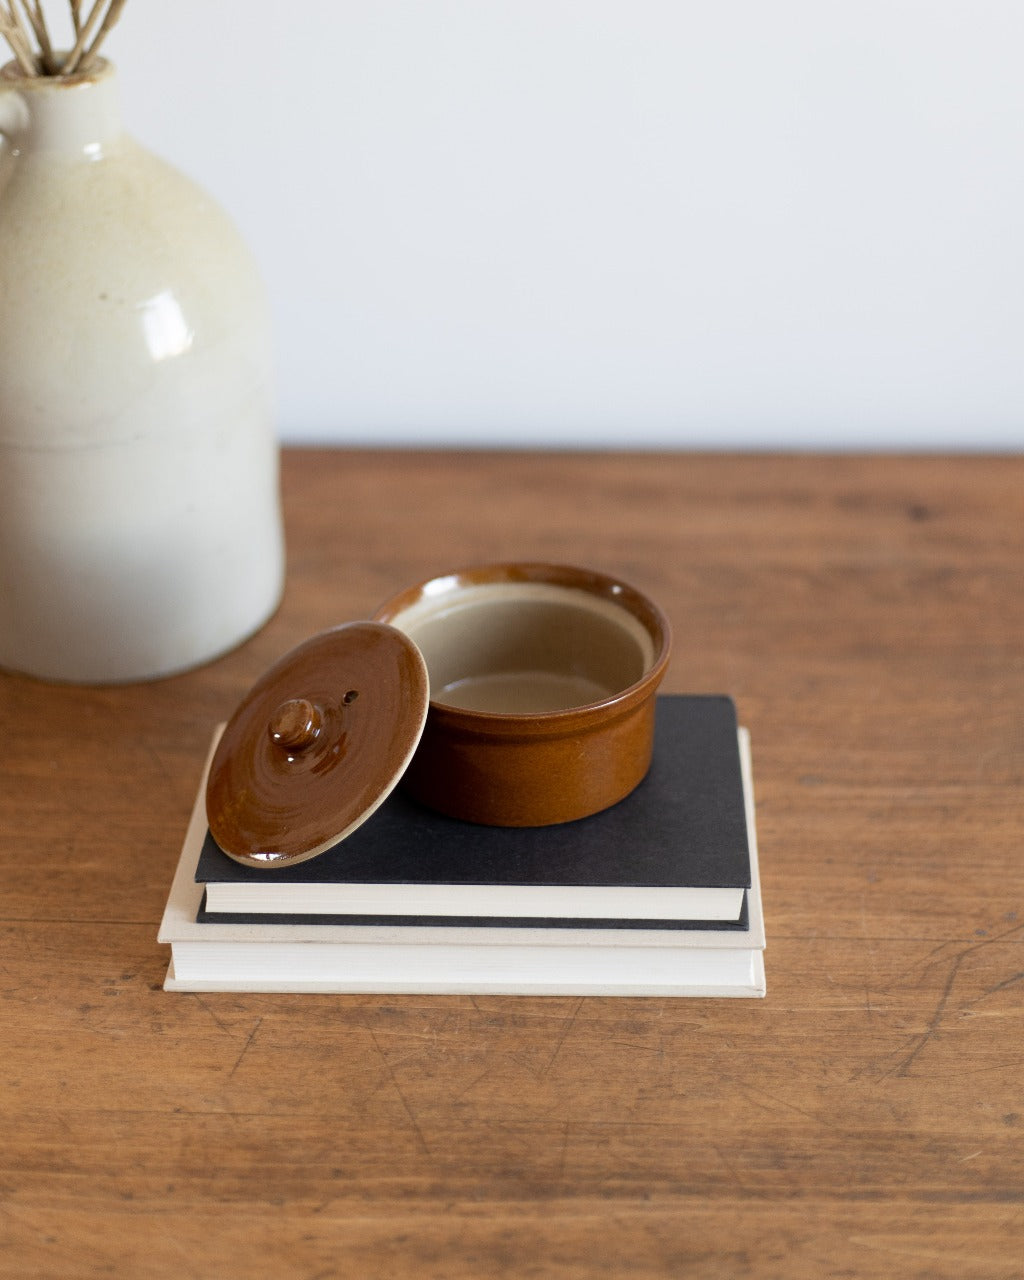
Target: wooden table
{"x": 865, "y": 1120}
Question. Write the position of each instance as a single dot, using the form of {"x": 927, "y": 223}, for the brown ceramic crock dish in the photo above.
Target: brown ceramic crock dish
{"x": 542, "y": 683}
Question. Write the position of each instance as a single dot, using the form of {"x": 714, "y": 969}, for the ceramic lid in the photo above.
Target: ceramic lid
{"x": 318, "y": 743}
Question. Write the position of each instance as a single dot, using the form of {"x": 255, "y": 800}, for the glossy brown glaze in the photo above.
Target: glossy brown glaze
{"x": 545, "y": 627}
{"x": 316, "y": 745}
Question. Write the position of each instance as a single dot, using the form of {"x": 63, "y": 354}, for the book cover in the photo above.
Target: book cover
{"x": 676, "y": 849}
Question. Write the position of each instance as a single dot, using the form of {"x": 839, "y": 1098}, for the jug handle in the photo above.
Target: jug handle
{"x": 13, "y": 121}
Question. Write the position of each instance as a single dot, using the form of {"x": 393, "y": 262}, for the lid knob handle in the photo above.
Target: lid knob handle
{"x": 296, "y": 724}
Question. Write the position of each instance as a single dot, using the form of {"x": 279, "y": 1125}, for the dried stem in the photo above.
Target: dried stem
{"x": 24, "y": 39}
{"x": 37, "y": 21}
{"x": 21, "y": 20}
{"x": 45, "y": 43}
{"x": 109, "y": 19}
{"x": 14, "y": 33}
{"x": 22, "y": 58}
{"x": 75, "y": 56}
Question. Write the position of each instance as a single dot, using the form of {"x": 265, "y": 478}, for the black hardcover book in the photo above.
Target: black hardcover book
{"x": 674, "y": 853}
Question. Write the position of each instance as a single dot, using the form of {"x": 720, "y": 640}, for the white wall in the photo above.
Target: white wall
{"x": 732, "y": 223}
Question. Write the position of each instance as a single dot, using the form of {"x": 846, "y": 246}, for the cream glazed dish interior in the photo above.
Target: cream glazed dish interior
{"x": 524, "y": 647}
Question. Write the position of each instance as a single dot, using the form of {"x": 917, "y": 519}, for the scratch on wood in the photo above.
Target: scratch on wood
{"x": 903, "y": 1067}
{"x": 755, "y": 1096}
{"x": 162, "y": 769}
{"x": 991, "y": 991}
{"x": 731, "y": 1169}
{"x": 402, "y": 1098}
{"x": 245, "y": 1047}
{"x": 206, "y": 1009}
{"x": 657, "y": 1049}
{"x": 570, "y": 1023}
{"x": 472, "y": 1084}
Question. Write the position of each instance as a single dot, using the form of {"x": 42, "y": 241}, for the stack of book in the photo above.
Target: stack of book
{"x": 659, "y": 895}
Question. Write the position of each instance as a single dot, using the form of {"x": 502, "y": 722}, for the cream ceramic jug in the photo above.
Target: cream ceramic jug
{"x": 140, "y": 525}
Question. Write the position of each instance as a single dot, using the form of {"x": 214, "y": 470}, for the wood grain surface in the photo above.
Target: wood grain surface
{"x": 865, "y": 1120}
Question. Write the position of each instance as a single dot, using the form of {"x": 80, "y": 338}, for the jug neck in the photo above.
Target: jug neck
{"x": 76, "y": 115}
